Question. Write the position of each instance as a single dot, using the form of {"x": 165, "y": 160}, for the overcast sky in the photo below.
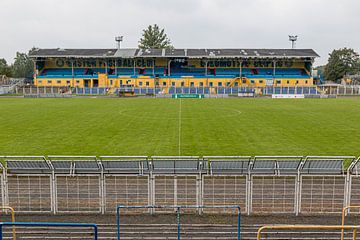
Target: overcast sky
{"x": 321, "y": 24}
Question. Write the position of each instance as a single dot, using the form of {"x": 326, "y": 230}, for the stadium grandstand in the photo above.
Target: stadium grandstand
{"x": 173, "y": 68}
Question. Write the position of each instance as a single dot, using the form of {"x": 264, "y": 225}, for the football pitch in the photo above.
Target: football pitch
{"x": 111, "y": 126}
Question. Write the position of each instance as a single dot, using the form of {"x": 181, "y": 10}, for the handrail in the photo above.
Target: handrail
{"x": 348, "y": 227}
{"x": 48, "y": 224}
{"x": 178, "y": 208}
{"x": 12, "y": 218}
{"x": 343, "y": 218}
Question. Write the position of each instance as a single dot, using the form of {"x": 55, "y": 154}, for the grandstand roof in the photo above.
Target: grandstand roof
{"x": 175, "y": 53}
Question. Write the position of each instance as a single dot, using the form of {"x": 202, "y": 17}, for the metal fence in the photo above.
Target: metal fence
{"x": 208, "y": 91}
{"x": 259, "y": 185}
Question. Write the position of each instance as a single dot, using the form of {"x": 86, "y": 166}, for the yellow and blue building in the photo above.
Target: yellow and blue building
{"x": 165, "y": 68}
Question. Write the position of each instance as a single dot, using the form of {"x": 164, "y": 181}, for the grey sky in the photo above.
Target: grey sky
{"x": 321, "y": 24}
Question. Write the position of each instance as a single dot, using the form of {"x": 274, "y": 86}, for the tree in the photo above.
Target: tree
{"x": 23, "y": 66}
{"x": 4, "y": 68}
{"x": 342, "y": 61}
{"x": 154, "y": 37}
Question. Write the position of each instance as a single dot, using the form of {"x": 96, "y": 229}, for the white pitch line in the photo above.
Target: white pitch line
{"x": 179, "y": 144}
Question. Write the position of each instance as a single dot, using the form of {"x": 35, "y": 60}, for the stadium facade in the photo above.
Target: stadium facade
{"x": 111, "y": 68}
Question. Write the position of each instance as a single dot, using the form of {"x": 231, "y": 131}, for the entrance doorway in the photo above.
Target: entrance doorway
{"x": 86, "y": 83}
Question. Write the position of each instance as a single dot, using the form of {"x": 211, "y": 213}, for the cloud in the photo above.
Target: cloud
{"x": 321, "y": 24}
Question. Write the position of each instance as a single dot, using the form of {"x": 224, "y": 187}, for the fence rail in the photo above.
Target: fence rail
{"x": 269, "y": 90}
{"x": 259, "y": 184}
{"x": 178, "y": 212}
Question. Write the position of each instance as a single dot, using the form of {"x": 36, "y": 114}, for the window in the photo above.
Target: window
{"x": 236, "y": 84}
{"x": 58, "y": 81}
{"x": 219, "y": 84}
{"x": 49, "y": 81}
{"x": 211, "y": 84}
{"x": 147, "y": 84}
{"x": 297, "y": 82}
{"x": 252, "y": 81}
{"x": 228, "y": 84}
{"x": 288, "y": 82}
{"x": 278, "y": 82}
{"x": 261, "y": 81}
{"x": 111, "y": 82}
{"x": 182, "y": 84}
{"x": 120, "y": 82}
{"x": 77, "y": 81}
{"x": 191, "y": 84}
{"x": 173, "y": 84}
{"x": 243, "y": 81}
{"x": 68, "y": 82}
{"x": 164, "y": 83}
{"x": 306, "y": 82}
{"x": 40, "y": 81}
{"x": 201, "y": 84}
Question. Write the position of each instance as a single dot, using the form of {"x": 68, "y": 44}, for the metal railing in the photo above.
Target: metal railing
{"x": 344, "y": 210}
{"x": 48, "y": 224}
{"x": 308, "y": 227}
{"x": 7, "y": 208}
{"x": 178, "y": 212}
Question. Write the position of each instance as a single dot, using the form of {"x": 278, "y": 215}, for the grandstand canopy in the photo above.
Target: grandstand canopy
{"x": 174, "y": 53}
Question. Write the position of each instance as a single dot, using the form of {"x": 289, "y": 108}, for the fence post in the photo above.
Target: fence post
{"x": 178, "y": 223}
{"x": 347, "y": 197}
{"x": 102, "y": 190}
{"x": 118, "y": 222}
{"x": 53, "y": 193}
{"x": 4, "y": 190}
{"x": 297, "y": 194}
{"x": 248, "y": 193}
{"x": 239, "y": 224}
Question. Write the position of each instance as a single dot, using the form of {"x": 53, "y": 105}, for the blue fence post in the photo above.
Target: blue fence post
{"x": 118, "y": 221}
{"x": 239, "y": 219}
{"x": 178, "y": 222}
{"x": 95, "y": 232}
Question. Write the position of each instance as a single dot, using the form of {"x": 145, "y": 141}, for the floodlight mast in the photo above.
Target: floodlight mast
{"x": 119, "y": 39}
{"x": 293, "y": 40}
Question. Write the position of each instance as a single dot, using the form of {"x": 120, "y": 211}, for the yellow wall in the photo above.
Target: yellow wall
{"x": 146, "y": 81}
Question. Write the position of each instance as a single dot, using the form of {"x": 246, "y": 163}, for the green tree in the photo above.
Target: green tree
{"x": 23, "y": 66}
{"x": 4, "y": 68}
{"x": 154, "y": 37}
{"x": 341, "y": 61}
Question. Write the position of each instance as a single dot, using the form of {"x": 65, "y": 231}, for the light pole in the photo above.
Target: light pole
{"x": 293, "y": 40}
{"x": 119, "y": 39}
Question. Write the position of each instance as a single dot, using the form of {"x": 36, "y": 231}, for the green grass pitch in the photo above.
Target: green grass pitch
{"x": 103, "y": 126}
